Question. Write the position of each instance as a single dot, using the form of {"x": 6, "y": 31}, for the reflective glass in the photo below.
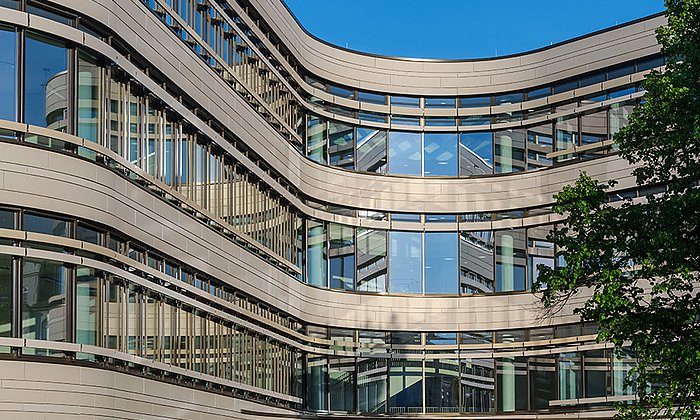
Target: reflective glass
{"x": 46, "y": 97}
{"x": 510, "y": 150}
{"x": 341, "y": 385}
{"x": 440, "y": 102}
{"x": 7, "y": 219}
{"x": 405, "y": 262}
{"x": 405, "y": 120}
{"x": 45, "y": 224}
{"x": 406, "y": 386}
{"x": 5, "y": 296}
{"x": 619, "y": 115}
{"x": 371, "y": 260}
{"x": 340, "y": 91}
{"x": 511, "y": 380}
{"x": 440, "y": 218}
{"x": 316, "y": 139}
{"x": 317, "y": 254}
{"x": 476, "y": 262}
{"x": 569, "y": 376}
{"x": 441, "y": 385}
{"x": 8, "y": 74}
{"x": 543, "y": 381}
{"x": 592, "y": 78}
{"x": 566, "y": 135}
{"x": 405, "y": 217}
{"x": 86, "y": 307}
{"x": 405, "y": 101}
{"x": 88, "y": 97}
{"x": 342, "y": 257}
{"x": 371, "y": 384}
{"x": 440, "y": 154}
{"x": 565, "y": 86}
{"x": 539, "y": 144}
{"x": 441, "y": 263}
{"x": 43, "y": 300}
{"x": 372, "y": 98}
{"x": 538, "y": 93}
{"x": 597, "y": 373}
{"x": 317, "y": 384}
{"x": 341, "y": 145}
{"x": 405, "y": 153}
{"x": 510, "y": 260}
{"x": 470, "y": 120}
{"x": 508, "y": 98}
{"x": 371, "y": 150}
{"x": 475, "y": 153}
{"x": 594, "y": 127}
{"x": 475, "y": 102}
{"x": 620, "y": 71}
{"x": 477, "y": 385}
{"x": 88, "y": 234}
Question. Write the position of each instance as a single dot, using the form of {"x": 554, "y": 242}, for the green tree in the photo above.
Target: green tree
{"x": 641, "y": 260}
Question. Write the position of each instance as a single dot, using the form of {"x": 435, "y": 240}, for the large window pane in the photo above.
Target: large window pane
{"x": 477, "y": 385}
{"x": 371, "y": 150}
{"x": 43, "y": 300}
{"x": 597, "y": 377}
{"x": 317, "y": 383}
{"x": 511, "y": 380}
{"x": 619, "y": 115}
{"x": 510, "y": 260}
{"x": 569, "y": 376}
{"x": 441, "y": 386}
{"x": 5, "y": 296}
{"x": 475, "y": 153}
{"x": 371, "y": 260}
{"x": 543, "y": 381}
{"x": 539, "y": 144}
{"x": 46, "y": 224}
{"x": 441, "y": 262}
{"x": 440, "y": 154}
{"x": 46, "y": 83}
{"x": 8, "y": 74}
{"x": 86, "y": 307}
{"x": 476, "y": 262}
{"x": 317, "y": 254}
{"x": 371, "y": 384}
{"x": 566, "y": 135}
{"x": 342, "y": 257}
{"x": 316, "y": 139}
{"x": 341, "y": 386}
{"x": 405, "y": 263}
{"x": 510, "y": 150}
{"x": 341, "y": 145}
{"x": 406, "y": 386}
{"x": 405, "y": 153}
{"x": 88, "y": 97}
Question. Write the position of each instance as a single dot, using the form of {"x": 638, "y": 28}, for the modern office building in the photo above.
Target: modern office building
{"x": 206, "y": 212}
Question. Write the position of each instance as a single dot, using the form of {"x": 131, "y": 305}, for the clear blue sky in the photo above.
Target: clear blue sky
{"x": 461, "y": 28}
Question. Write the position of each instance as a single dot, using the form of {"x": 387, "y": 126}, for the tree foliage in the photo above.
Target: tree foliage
{"x": 641, "y": 260}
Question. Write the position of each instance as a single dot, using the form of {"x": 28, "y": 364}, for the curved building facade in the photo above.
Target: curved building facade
{"x": 206, "y": 212}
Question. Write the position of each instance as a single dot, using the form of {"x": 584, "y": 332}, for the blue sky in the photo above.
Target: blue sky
{"x": 449, "y": 29}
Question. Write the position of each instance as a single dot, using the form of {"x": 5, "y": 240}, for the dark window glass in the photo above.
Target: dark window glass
{"x": 46, "y": 97}
{"x": 478, "y": 337}
{"x": 440, "y": 218}
{"x": 650, "y": 63}
{"x": 477, "y": 385}
{"x": 510, "y": 150}
{"x": 476, "y": 262}
{"x": 317, "y": 383}
{"x": 440, "y": 154}
{"x": 371, "y": 260}
{"x": 317, "y": 254}
{"x": 5, "y": 296}
{"x": 372, "y": 385}
{"x": 509, "y": 117}
{"x": 316, "y": 139}
{"x": 508, "y": 98}
{"x": 371, "y": 116}
{"x": 86, "y": 307}
{"x": 440, "y": 121}
{"x": 405, "y": 217}
{"x": 470, "y": 120}
{"x": 372, "y": 98}
{"x": 371, "y": 150}
{"x": 11, "y": 4}
{"x": 46, "y": 224}
{"x": 341, "y": 145}
{"x": 405, "y": 120}
{"x": 439, "y": 102}
{"x": 512, "y": 386}
{"x": 510, "y": 260}
{"x": 405, "y": 101}
{"x": 597, "y": 377}
{"x": 88, "y": 234}
{"x": 475, "y": 153}
{"x": 340, "y": 91}
{"x": 342, "y": 257}
{"x": 341, "y": 384}
{"x": 539, "y": 93}
{"x": 405, "y": 262}
{"x": 406, "y": 386}
{"x": 441, "y": 385}
{"x": 441, "y": 263}
{"x": 620, "y": 71}
{"x": 88, "y": 97}
{"x": 565, "y": 86}
{"x": 8, "y": 74}
{"x": 592, "y": 78}
{"x": 539, "y": 144}
{"x": 7, "y": 219}
{"x": 43, "y": 300}
{"x": 543, "y": 381}
{"x": 440, "y": 339}
{"x": 475, "y": 102}
{"x": 621, "y": 92}
{"x": 405, "y": 338}
{"x": 49, "y": 14}
{"x": 405, "y": 153}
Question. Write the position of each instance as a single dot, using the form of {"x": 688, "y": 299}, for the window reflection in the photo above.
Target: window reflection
{"x": 405, "y": 264}
{"x": 475, "y": 153}
{"x": 8, "y": 74}
{"x": 476, "y": 262}
{"x": 5, "y": 296}
{"x": 342, "y": 257}
{"x": 405, "y": 153}
{"x": 316, "y": 139}
{"x": 317, "y": 254}
{"x": 440, "y": 154}
{"x": 88, "y": 97}
{"x": 510, "y": 150}
{"x": 43, "y": 300}
{"x": 371, "y": 260}
{"x": 341, "y": 145}
{"x": 441, "y": 262}
{"x": 46, "y": 83}
{"x": 510, "y": 260}
{"x": 45, "y": 224}
{"x": 539, "y": 144}
{"x": 371, "y": 150}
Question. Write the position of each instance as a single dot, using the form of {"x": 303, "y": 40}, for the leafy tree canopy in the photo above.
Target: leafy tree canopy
{"x": 641, "y": 260}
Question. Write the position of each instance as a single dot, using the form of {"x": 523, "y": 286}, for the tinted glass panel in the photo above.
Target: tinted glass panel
{"x": 317, "y": 257}
{"x": 5, "y": 296}
{"x": 441, "y": 385}
{"x": 510, "y": 150}
{"x": 620, "y": 71}
{"x": 476, "y": 262}
{"x": 510, "y": 260}
{"x": 565, "y": 86}
{"x": 405, "y": 101}
{"x": 339, "y": 91}
{"x": 46, "y": 83}
{"x": 372, "y": 98}
{"x": 45, "y": 224}
{"x": 371, "y": 384}
{"x": 475, "y": 153}
{"x": 405, "y": 153}
{"x": 650, "y": 63}
{"x": 405, "y": 263}
{"x": 43, "y": 300}
{"x": 86, "y": 307}
{"x": 405, "y": 217}
{"x": 475, "y": 102}
{"x": 8, "y": 74}
{"x": 538, "y": 93}
{"x": 342, "y": 257}
{"x": 371, "y": 260}
{"x": 592, "y": 78}
{"x": 7, "y": 219}
{"x": 512, "y": 383}
{"x": 406, "y": 386}
{"x": 440, "y": 154}
{"x": 539, "y": 144}
{"x": 341, "y": 145}
{"x": 509, "y": 98}
{"x": 88, "y": 234}
{"x": 88, "y": 97}
{"x": 316, "y": 139}
{"x": 441, "y": 263}
{"x": 439, "y": 102}
{"x": 371, "y": 150}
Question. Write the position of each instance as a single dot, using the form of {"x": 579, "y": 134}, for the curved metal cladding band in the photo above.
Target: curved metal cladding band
{"x": 205, "y": 211}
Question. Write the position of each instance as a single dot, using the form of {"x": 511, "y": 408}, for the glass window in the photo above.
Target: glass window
{"x": 86, "y": 307}
{"x": 569, "y": 376}
{"x": 46, "y": 224}
{"x": 510, "y": 260}
{"x": 477, "y": 337}
{"x": 405, "y": 101}
{"x": 7, "y": 219}
{"x": 5, "y": 296}
{"x": 405, "y": 153}
{"x": 405, "y": 120}
{"x": 341, "y": 145}
{"x": 477, "y": 385}
{"x": 49, "y": 14}
{"x": 405, "y": 338}
{"x": 539, "y": 144}
{"x": 592, "y": 78}
{"x": 371, "y": 150}
{"x": 650, "y": 63}
{"x": 543, "y": 381}
{"x": 46, "y": 97}
{"x": 405, "y": 262}
{"x": 88, "y": 234}
{"x": 317, "y": 382}
{"x": 567, "y": 135}
{"x": 372, "y": 98}
{"x": 510, "y": 150}
{"x": 406, "y": 386}
{"x": 317, "y": 254}
{"x": 342, "y": 257}
{"x": 511, "y": 380}
{"x": 405, "y": 217}
{"x": 371, "y": 384}
{"x": 565, "y": 86}
{"x": 371, "y": 116}
{"x": 340, "y": 91}
{"x": 440, "y": 121}
{"x": 341, "y": 374}
{"x": 371, "y": 260}
{"x": 88, "y": 97}
{"x": 620, "y": 71}
{"x": 597, "y": 376}
{"x": 316, "y": 139}
{"x": 440, "y": 154}
{"x": 43, "y": 300}
{"x": 441, "y": 385}
{"x": 440, "y": 102}
{"x": 619, "y": 115}
{"x": 476, "y": 262}
{"x": 8, "y": 74}
{"x": 471, "y": 120}
{"x": 475, "y": 153}
{"x": 440, "y": 218}
{"x": 618, "y": 93}
{"x": 508, "y": 98}
{"x": 538, "y": 93}
{"x": 441, "y": 262}
{"x": 475, "y": 102}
